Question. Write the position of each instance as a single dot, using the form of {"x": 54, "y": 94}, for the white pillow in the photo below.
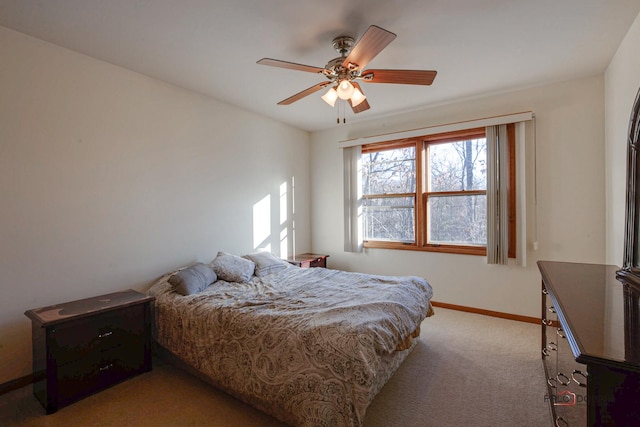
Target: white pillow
{"x": 232, "y": 268}
{"x": 267, "y": 263}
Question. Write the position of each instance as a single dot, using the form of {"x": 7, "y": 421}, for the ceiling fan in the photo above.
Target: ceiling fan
{"x": 344, "y": 72}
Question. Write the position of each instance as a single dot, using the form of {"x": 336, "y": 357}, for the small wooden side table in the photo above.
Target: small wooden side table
{"x": 309, "y": 260}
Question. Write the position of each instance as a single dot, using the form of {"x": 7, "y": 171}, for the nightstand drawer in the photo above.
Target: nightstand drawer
{"x": 78, "y": 339}
{"x": 308, "y": 260}
{"x": 318, "y": 262}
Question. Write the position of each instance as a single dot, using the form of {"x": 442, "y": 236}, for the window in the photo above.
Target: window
{"x": 430, "y": 193}
{"x": 389, "y": 193}
{"x": 456, "y": 196}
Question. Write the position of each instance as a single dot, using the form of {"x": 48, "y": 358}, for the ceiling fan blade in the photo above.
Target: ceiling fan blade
{"x": 363, "y": 106}
{"x": 404, "y": 77}
{"x": 372, "y": 42}
{"x": 290, "y": 65}
{"x": 304, "y": 93}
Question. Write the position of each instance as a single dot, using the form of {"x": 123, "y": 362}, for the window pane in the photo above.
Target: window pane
{"x": 389, "y": 171}
{"x": 457, "y": 220}
{"x": 458, "y": 166}
{"x": 389, "y": 218}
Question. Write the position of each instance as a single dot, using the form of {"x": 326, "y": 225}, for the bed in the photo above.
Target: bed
{"x": 309, "y": 346}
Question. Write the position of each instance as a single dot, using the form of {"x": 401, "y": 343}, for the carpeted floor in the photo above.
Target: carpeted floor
{"x": 467, "y": 370}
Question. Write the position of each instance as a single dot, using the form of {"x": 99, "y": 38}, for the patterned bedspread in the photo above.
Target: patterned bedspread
{"x": 310, "y": 346}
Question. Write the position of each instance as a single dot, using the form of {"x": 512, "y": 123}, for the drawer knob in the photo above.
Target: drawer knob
{"x": 552, "y": 382}
{"x": 545, "y": 352}
{"x": 560, "y": 333}
{"x": 106, "y": 367}
{"x": 106, "y": 334}
{"x": 552, "y": 309}
{"x": 547, "y": 322}
{"x": 563, "y": 379}
{"x": 545, "y": 291}
{"x": 552, "y": 346}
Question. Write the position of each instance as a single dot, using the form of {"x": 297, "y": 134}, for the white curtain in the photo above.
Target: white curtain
{"x": 497, "y": 195}
{"x": 352, "y": 199}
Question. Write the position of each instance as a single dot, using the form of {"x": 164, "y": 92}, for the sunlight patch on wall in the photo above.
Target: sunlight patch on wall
{"x": 262, "y": 223}
{"x": 284, "y": 244}
{"x": 273, "y": 223}
{"x": 284, "y": 216}
{"x": 283, "y": 203}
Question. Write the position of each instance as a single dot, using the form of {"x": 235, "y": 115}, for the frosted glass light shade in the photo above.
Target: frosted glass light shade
{"x": 330, "y": 97}
{"x": 357, "y": 97}
{"x": 345, "y": 89}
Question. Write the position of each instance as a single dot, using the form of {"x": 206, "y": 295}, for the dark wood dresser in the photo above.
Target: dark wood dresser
{"x": 590, "y": 345}
{"x": 309, "y": 260}
{"x": 84, "y": 346}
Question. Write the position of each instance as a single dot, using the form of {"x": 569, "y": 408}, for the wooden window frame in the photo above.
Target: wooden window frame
{"x": 421, "y": 195}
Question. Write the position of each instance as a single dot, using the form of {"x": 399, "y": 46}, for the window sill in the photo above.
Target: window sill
{"x": 450, "y": 249}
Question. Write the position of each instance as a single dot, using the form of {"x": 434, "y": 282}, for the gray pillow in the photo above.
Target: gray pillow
{"x": 267, "y": 263}
{"x": 232, "y": 268}
{"x": 193, "y": 279}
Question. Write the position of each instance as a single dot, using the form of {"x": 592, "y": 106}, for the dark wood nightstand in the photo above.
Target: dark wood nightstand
{"x": 308, "y": 260}
{"x": 84, "y": 346}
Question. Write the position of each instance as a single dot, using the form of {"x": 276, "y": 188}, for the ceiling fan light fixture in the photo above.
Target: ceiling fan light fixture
{"x": 357, "y": 97}
{"x": 330, "y": 97}
{"x": 345, "y": 89}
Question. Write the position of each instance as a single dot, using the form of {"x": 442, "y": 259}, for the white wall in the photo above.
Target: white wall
{"x": 570, "y": 211}
{"x": 622, "y": 81}
{"x": 109, "y": 179}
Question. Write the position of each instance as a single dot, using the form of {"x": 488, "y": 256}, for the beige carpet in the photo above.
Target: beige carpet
{"x": 467, "y": 370}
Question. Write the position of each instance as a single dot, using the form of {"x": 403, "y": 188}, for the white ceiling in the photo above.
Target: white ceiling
{"x": 211, "y": 46}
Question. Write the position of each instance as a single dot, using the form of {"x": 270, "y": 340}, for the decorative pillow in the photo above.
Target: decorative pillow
{"x": 266, "y": 263}
{"x": 193, "y": 279}
{"x": 232, "y": 268}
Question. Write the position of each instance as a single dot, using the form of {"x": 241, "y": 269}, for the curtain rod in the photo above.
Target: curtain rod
{"x": 431, "y": 130}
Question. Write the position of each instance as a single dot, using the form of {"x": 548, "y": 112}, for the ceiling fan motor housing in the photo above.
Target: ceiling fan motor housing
{"x": 334, "y": 70}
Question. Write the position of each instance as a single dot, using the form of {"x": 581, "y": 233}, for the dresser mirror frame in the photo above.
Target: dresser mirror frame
{"x": 630, "y": 271}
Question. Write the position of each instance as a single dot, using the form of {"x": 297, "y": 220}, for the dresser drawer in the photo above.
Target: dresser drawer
{"x": 82, "y": 338}
{"x": 86, "y": 376}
